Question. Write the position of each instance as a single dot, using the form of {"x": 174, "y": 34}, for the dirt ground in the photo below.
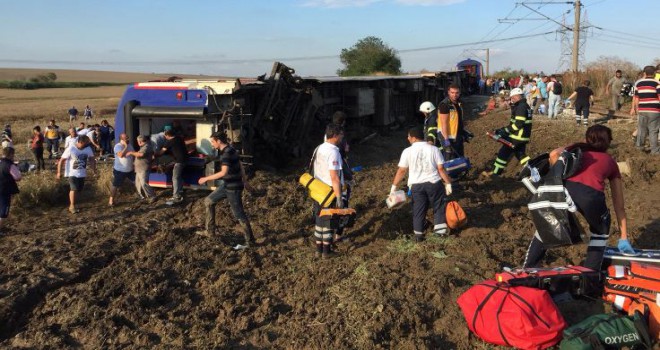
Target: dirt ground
{"x": 136, "y": 275}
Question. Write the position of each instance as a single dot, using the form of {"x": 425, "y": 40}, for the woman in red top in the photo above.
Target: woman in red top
{"x": 587, "y": 188}
{"x": 37, "y": 147}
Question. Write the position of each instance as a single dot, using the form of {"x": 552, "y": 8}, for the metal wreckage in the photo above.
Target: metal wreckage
{"x": 275, "y": 117}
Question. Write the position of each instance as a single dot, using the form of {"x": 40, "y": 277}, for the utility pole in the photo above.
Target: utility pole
{"x": 487, "y": 62}
{"x": 576, "y": 37}
{"x": 578, "y": 40}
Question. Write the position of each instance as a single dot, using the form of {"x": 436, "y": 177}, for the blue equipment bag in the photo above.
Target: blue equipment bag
{"x": 457, "y": 167}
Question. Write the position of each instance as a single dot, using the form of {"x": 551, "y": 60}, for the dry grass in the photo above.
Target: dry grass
{"x": 42, "y": 190}
{"x": 46, "y": 104}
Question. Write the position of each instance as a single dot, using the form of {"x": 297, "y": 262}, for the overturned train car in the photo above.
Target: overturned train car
{"x": 272, "y": 118}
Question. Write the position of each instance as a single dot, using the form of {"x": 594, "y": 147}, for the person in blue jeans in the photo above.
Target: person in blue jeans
{"x": 106, "y": 131}
{"x": 177, "y": 148}
{"x": 230, "y": 181}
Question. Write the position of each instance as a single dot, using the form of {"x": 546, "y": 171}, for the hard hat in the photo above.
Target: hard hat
{"x": 515, "y": 91}
{"x": 426, "y": 107}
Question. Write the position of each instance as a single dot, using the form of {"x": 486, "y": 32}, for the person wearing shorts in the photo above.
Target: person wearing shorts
{"x": 584, "y": 98}
{"x": 76, "y": 159}
{"x": 122, "y": 168}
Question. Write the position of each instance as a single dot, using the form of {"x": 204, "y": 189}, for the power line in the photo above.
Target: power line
{"x": 476, "y": 42}
{"x": 646, "y": 42}
{"x": 255, "y": 60}
{"x": 628, "y": 44}
{"x": 630, "y": 34}
{"x": 502, "y": 31}
{"x": 595, "y": 3}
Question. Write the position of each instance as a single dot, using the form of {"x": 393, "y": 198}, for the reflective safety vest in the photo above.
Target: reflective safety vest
{"x": 520, "y": 127}
{"x": 455, "y": 119}
{"x": 430, "y": 129}
{"x": 52, "y": 132}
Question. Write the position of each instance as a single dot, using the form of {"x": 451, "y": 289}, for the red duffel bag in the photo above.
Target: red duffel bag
{"x": 520, "y": 317}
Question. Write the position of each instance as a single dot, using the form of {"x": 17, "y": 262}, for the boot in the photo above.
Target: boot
{"x": 247, "y": 233}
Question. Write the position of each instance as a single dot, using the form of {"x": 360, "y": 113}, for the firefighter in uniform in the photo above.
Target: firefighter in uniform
{"x": 451, "y": 130}
{"x": 517, "y": 132}
{"x": 430, "y": 123}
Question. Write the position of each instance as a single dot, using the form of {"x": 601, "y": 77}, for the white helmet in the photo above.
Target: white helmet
{"x": 515, "y": 91}
{"x": 426, "y": 107}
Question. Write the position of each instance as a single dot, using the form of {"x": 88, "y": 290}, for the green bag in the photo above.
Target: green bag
{"x": 608, "y": 331}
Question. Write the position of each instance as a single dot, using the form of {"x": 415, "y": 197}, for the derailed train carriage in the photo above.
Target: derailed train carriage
{"x": 272, "y": 118}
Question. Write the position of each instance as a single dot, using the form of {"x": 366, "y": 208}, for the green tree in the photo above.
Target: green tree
{"x": 369, "y": 55}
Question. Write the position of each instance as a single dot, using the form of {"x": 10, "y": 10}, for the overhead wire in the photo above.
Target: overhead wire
{"x": 459, "y": 56}
{"x": 503, "y": 30}
{"x": 642, "y": 41}
{"x": 299, "y": 58}
{"x": 629, "y": 34}
{"x": 475, "y": 42}
{"x": 628, "y": 44}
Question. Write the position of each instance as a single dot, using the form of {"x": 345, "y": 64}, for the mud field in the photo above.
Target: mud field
{"x": 136, "y": 276}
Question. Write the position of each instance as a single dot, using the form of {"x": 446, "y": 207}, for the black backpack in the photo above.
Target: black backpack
{"x": 557, "y": 88}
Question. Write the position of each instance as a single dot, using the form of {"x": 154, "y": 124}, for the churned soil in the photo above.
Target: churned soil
{"x": 137, "y": 276}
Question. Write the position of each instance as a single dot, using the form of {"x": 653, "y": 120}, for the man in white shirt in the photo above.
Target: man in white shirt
{"x": 327, "y": 167}
{"x": 122, "y": 168}
{"x": 71, "y": 139}
{"x": 424, "y": 165}
{"x": 76, "y": 158}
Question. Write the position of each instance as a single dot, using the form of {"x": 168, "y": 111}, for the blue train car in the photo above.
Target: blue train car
{"x": 194, "y": 107}
{"x": 475, "y": 72}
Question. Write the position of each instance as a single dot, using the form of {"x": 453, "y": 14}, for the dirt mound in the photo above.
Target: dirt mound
{"x": 136, "y": 276}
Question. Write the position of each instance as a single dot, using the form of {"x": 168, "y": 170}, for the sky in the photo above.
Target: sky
{"x": 244, "y": 37}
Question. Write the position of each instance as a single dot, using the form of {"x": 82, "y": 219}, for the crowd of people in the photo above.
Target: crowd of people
{"x": 544, "y": 96}
{"x": 543, "y": 93}
{"x": 440, "y": 138}
{"x": 49, "y": 140}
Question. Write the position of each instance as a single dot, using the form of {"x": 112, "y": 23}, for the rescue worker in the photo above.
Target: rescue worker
{"x": 452, "y": 133}
{"x": 52, "y": 135}
{"x": 339, "y": 118}
{"x": 424, "y": 165}
{"x": 517, "y": 132}
{"x": 231, "y": 182}
{"x": 430, "y": 123}
{"x": 327, "y": 167}
{"x": 586, "y": 188}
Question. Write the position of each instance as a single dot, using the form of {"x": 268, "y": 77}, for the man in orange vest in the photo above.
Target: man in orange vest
{"x": 451, "y": 131}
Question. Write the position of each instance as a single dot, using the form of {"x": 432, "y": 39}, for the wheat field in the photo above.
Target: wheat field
{"x": 24, "y": 109}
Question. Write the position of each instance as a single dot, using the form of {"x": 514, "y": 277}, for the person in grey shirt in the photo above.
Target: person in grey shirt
{"x": 142, "y": 166}
{"x": 613, "y": 88}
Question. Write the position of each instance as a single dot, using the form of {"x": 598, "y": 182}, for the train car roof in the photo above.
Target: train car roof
{"x": 329, "y": 79}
